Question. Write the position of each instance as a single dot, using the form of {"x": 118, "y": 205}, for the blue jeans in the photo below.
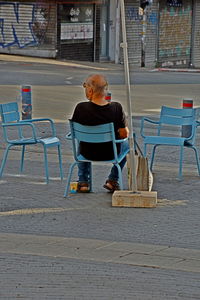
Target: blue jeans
{"x": 84, "y": 167}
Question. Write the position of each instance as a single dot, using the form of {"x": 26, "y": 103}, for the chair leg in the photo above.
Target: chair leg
{"x": 120, "y": 176}
{"x": 69, "y": 179}
{"x": 46, "y": 164}
{"x": 152, "y": 157}
{"x": 197, "y": 158}
{"x": 4, "y": 159}
{"x": 180, "y": 163}
{"x": 145, "y": 149}
{"x": 22, "y": 158}
{"x": 90, "y": 178}
{"x": 60, "y": 162}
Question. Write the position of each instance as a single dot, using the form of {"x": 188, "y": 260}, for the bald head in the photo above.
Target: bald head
{"x": 98, "y": 83}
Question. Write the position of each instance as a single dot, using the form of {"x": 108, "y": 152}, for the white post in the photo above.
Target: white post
{"x": 127, "y": 81}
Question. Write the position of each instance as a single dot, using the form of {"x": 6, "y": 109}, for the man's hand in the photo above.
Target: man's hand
{"x": 123, "y": 132}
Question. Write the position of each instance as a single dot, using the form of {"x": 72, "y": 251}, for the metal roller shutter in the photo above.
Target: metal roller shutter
{"x": 151, "y": 37}
{"x": 133, "y": 29}
{"x": 175, "y": 30}
{"x": 28, "y": 28}
{"x": 196, "y": 35}
{"x": 134, "y": 26}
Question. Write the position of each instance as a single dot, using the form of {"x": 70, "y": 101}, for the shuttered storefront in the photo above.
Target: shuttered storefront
{"x": 175, "y": 32}
{"x": 28, "y": 28}
{"x": 151, "y": 37}
{"x": 135, "y": 31}
{"x": 64, "y": 29}
{"x": 196, "y": 35}
{"x": 78, "y": 35}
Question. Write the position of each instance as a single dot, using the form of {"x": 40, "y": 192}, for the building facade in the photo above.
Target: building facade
{"x": 167, "y": 34}
{"x": 53, "y": 29}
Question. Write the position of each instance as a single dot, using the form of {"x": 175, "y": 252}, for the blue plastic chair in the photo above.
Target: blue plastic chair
{"x": 23, "y": 133}
{"x": 179, "y": 118}
{"x": 93, "y": 134}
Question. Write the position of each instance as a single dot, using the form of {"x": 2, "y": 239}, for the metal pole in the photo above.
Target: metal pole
{"x": 117, "y": 30}
{"x": 128, "y": 92}
{"x": 144, "y": 30}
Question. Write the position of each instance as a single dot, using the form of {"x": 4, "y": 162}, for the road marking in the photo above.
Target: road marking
{"x": 2, "y": 181}
{"x": 29, "y": 177}
{"x": 167, "y": 202}
{"x": 95, "y": 250}
{"x": 68, "y": 80}
{"x": 30, "y": 211}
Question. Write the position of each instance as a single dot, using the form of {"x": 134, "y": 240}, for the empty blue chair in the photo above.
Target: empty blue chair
{"x": 23, "y": 133}
{"x": 178, "y": 118}
{"x": 93, "y": 134}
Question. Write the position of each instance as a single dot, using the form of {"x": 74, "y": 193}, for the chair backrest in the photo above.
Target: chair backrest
{"x": 179, "y": 117}
{"x": 9, "y": 112}
{"x": 92, "y": 134}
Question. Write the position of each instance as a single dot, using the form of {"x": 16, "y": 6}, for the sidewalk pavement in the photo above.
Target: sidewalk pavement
{"x": 90, "y": 65}
{"x": 76, "y": 64}
{"x": 82, "y": 247}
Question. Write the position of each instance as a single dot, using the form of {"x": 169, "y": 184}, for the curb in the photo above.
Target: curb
{"x": 75, "y": 64}
{"x": 86, "y": 65}
{"x": 176, "y": 70}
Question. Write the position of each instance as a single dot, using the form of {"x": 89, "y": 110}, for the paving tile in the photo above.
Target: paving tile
{"x": 147, "y": 260}
{"x": 189, "y": 265}
{"x": 180, "y": 252}
{"x": 135, "y": 247}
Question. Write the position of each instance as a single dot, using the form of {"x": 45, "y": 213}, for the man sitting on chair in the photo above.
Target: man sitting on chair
{"x": 99, "y": 111}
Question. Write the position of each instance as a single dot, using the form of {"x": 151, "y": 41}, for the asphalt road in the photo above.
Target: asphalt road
{"x": 57, "y": 86}
{"x": 18, "y": 73}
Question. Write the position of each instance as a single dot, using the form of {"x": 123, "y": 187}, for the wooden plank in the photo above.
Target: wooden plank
{"x": 130, "y": 199}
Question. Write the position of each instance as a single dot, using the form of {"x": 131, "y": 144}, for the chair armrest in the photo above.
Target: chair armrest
{"x": 69, "y": 136}
{"x": 42, "y": 120}
{"x": 150, "y": 121}
{"x": 198, "y": 123}
{"x": 193, "y": 132}
{"x": 144, "y": 119}
{"x": 121, "y": 140}
{"x": 21, "y": 124}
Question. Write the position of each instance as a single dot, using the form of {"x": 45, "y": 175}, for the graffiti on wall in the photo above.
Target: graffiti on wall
{"x": 133, "y": 15}
{"x": 23, "y": 25}
{"x": 16, "y": 24}
{"x": 175, "y": 32}
{"x": 41, "y": 23}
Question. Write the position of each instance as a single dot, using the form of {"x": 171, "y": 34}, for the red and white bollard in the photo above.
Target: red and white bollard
{"x": 186, "y": 129}
{"x": 187, "y": 103}
{"x": 26, "y": 102}
{"x": 108, "y": 96}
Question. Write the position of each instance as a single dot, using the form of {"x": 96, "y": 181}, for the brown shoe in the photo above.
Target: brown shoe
{"x": 83, "y": 187}
{"x": 111, "y": 185}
